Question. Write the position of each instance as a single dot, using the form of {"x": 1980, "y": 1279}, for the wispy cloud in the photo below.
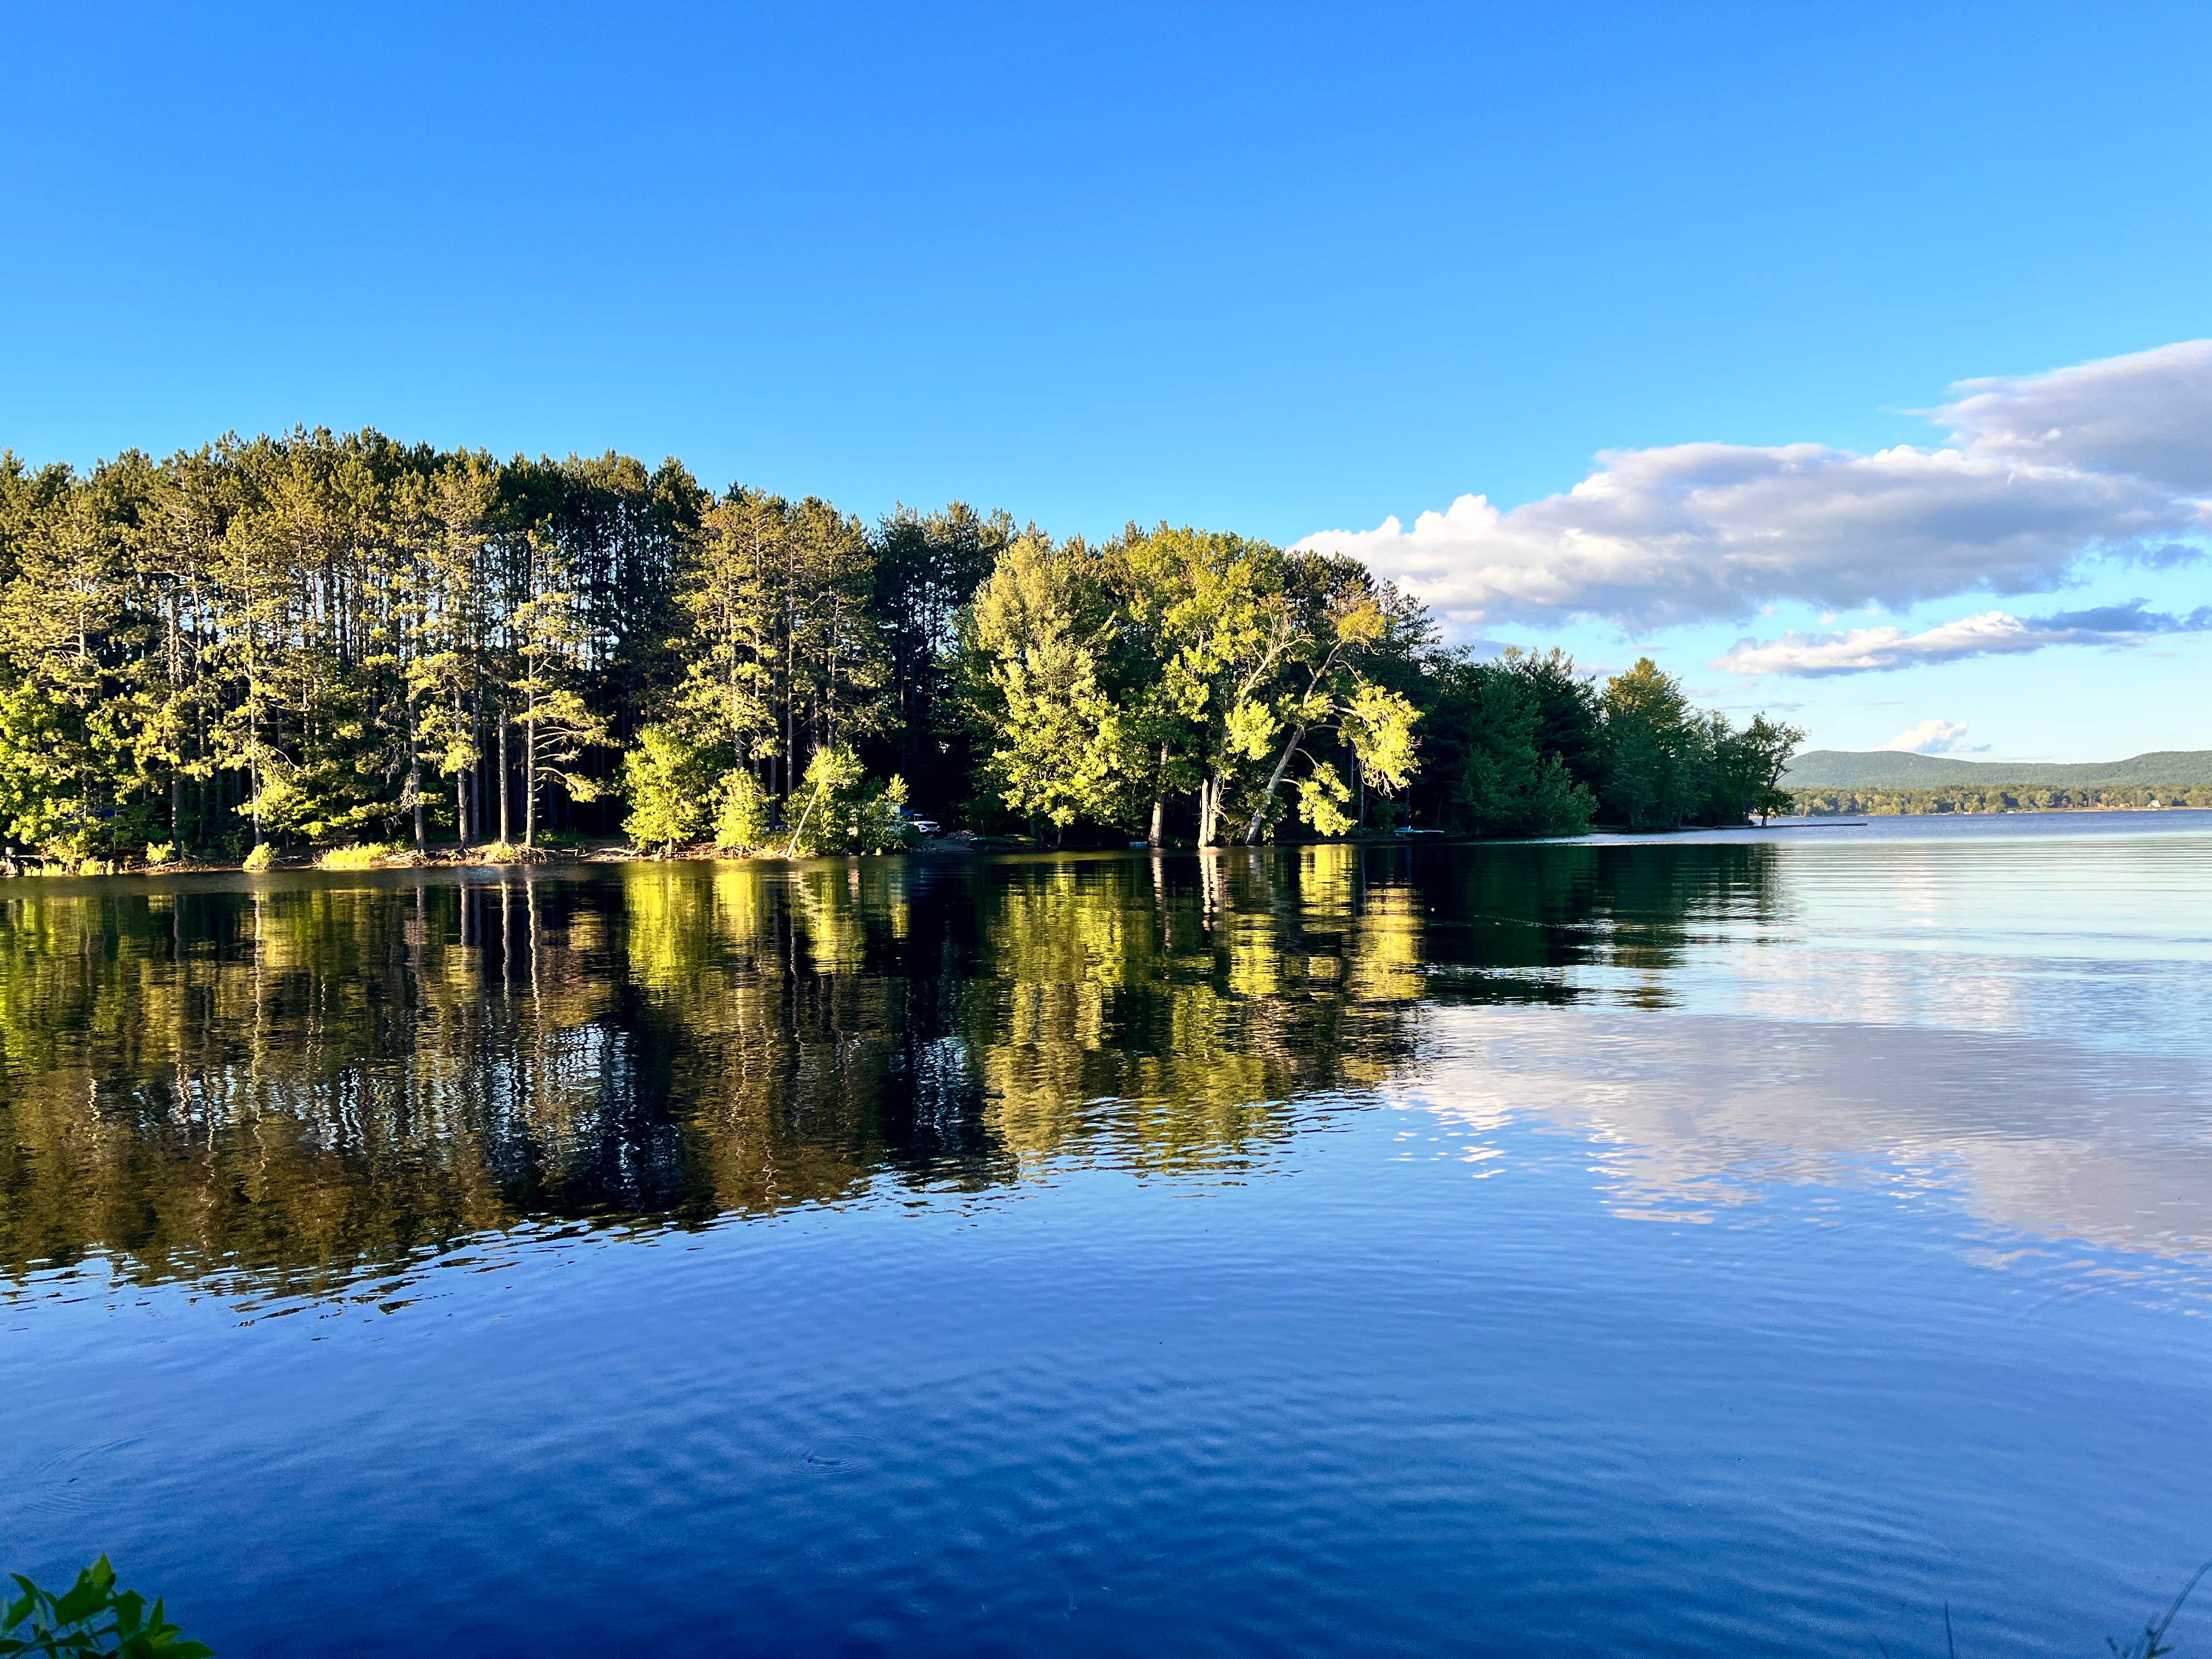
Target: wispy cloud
{"x": 2109, "y": 459}
{"x": 1993, "y": 633}
{"x": 1936, "y": 737}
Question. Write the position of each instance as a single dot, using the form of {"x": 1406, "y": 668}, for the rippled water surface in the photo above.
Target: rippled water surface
{"x": 1746, "y": 1242}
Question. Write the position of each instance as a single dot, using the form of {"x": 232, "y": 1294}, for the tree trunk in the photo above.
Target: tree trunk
{"x": 505, "y": 822}
{"x": 1274, "y": 779}
{"x": 415, "y": 775}
{"x": 530, "y": 781}
{"x": 1159, "y": 798}
{"x": 461, "y": 782}
{"x": 479, "y": 800}
{"x": 253, "y": 765}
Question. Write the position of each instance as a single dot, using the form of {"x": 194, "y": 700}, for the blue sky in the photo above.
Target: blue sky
{"x": 1281, "y": 270}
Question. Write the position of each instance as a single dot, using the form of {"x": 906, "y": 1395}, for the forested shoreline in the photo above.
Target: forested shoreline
{"x": 1993, "y": 797}
{"x": 318, "y": 641}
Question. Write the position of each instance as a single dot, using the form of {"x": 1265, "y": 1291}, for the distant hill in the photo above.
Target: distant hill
{"x": 1892, "y": 768}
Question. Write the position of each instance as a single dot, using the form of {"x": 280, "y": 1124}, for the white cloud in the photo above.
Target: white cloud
{"x": 1936, "y": 738}
{"x": 2149, "y": 415}
{"x": 1993, "y": 633}
{"x": 2043, "y": 472}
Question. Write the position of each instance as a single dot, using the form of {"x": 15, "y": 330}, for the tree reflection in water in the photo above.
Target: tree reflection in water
{"x": 289, "y": 1083}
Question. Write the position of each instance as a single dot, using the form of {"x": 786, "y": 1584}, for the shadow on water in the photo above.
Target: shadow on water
{"x": 294, "y": 1082}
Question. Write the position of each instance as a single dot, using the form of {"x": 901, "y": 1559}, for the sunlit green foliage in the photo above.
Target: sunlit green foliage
{"x": 1260, "y": 656}
{"x": 318, "y": 640}
{"x": 669, "y": 786}
{"x": 840, "y": 809}
{"x": 365, "y": 855}
{"x": 296, "y": 639}
{"x": 42, "y": 804}
{"x": 741, "y": 813}
{"x": 1109, "y": 685}
{"x": 1041, "y": 633}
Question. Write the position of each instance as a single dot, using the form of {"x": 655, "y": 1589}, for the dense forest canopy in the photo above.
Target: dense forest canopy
{"x": 321, "y": 639}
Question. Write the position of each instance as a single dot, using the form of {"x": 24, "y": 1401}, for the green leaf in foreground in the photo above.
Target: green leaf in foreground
{"x": 92, "y": 1620}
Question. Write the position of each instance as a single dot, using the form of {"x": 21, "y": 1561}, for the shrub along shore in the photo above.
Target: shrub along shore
{"x": 268, "y": 651}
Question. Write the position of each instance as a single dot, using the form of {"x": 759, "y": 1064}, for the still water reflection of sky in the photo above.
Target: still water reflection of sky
{"x": 1744, "y": 1241}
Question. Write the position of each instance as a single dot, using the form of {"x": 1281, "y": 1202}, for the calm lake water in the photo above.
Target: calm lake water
{"x": 1744, "y": 1242}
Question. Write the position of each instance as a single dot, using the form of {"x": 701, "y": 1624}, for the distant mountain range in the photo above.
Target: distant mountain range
{"x": 1893, "y": 769}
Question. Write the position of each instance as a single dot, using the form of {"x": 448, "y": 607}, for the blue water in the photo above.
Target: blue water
{"x": 1751, "y": 1242}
